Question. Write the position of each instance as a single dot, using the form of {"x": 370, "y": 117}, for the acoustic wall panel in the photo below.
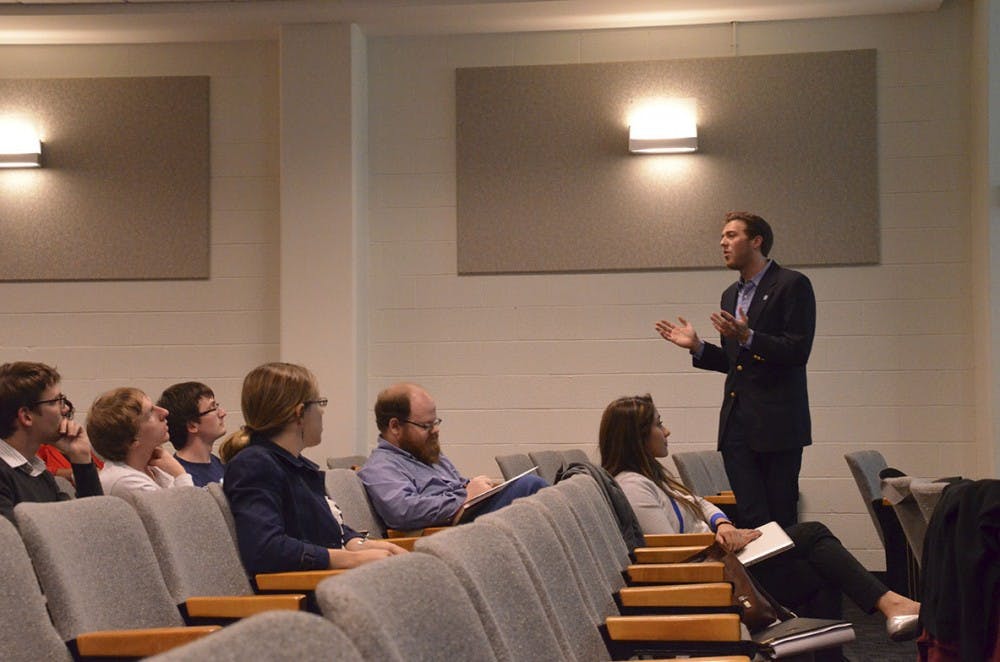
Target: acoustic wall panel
{"x": 545, "y": 182}
{"x": 124, "y": 191}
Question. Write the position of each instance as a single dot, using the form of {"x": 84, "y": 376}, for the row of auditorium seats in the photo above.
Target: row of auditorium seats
{"x": 526, "y": 582}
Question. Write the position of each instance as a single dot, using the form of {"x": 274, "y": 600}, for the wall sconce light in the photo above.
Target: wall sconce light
{"x": 19, "y": 145}
{"x": 665, "y": 127}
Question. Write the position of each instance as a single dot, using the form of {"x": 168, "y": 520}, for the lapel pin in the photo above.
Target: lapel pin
{"x": 765, "y": 297}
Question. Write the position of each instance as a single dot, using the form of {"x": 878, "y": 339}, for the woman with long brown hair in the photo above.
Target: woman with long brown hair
{"x": 808, "y": 578}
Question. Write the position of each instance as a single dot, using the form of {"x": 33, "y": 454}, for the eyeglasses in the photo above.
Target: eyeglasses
{"x": 322, "y": 402}
{"x": 214, "y": 407}
{"x": 426, "y": 427}
{"x": 63, "y": 401}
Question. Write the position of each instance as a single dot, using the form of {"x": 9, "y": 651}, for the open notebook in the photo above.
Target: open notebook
{"x": 773, "y": 541}
{"x": 472, "y": 506}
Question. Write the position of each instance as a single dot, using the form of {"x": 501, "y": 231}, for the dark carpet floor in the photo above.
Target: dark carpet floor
{"x": 872, "y": 643}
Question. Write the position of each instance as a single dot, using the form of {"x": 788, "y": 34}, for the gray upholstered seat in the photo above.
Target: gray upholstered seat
{"x": 192, "y": 543}
{"x": 896, "y": 490}
{"x": 865, "y": 467}
{"x": 65, "y": 487}
{"x": 409, "y": 607}
{"x": 275, "y": 635}
{"x": 345, "y": 461}
{"x": 927, "y": 494}
{"x": 215, "y": 489}
{"x": 96, "y": 566}
{"x": 549, "y": 463}
{"x": 572, "y": 455}
{"x": 26, "y": 633}
{"x": 594, "y": 514}
{"x": 348, "y": 492}
{"x": 513, "y": 464}
{"x": 493, "y": 575}
{"x": 554, "y": 574}
{"x": 702, "y": 472}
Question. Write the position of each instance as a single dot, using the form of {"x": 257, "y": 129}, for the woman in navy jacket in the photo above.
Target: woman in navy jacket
{"x": 284, "y": 520}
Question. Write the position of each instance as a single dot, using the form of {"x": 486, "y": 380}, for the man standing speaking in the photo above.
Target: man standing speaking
{"x": 766, "y": 324}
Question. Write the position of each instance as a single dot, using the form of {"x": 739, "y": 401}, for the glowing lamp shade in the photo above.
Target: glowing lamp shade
{"x": 667, "y": 127}
{"x": 19, "y": 145}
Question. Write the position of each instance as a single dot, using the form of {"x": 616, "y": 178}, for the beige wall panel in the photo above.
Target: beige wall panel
{"x": 546, "y": 182}
{"x": 124, "y": 188}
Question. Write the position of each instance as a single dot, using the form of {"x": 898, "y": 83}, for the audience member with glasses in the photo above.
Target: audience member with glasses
{"x": 55, "y": 460}
{"x": 278, "y": 497}
{"x": 34, "y": 411}
{"x": 411, "y": 484}
{"x": 195, "y": 420}
{"x": 129, "y": 431}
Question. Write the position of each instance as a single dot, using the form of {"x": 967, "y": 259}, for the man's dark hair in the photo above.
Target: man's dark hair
{"x": 393, "y": 402}
{"x": 756, "y": 227}
{"x": 181, "y": 401}
{"x": 21, "y": 383}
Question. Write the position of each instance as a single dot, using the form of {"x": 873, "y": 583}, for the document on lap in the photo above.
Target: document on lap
{"x": 773, "y": 541}
{"x": 469, "y": 508}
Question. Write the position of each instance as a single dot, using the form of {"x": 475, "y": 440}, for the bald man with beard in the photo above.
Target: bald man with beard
{"x": 410, "y": 483}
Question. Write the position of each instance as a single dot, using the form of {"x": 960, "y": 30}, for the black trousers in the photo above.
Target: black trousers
{"x": 766, "y": 485}
{"x": 810, "y": 578}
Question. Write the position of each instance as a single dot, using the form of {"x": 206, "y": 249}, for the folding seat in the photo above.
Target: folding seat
{"x": 197, "y": 557}
{"x": 352, "y": 462}
{"x": 493, "y": 575}
{"x": 275, "y": 635}
{"x": 408, "y": 608}
{"x": 549, "y": 464}
{"x": 572, "y": 455}
{"x": 513, "y": 464}
{"x": 98, "y": 572}
{"x": 26, "y": 633}
{"x": 348, "y": 492}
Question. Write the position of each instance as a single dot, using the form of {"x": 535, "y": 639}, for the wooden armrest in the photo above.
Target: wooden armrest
{"x": 718, "y": 594}
{"x": 665, "y": 554}
{"x": 303, "y": 580}
{"x": 138, "y": 643}
{"x": 679, "y": 539}
{"x": 241, "y": 606}
{"x": 727, "y": 493}
{"x": 413, "y": 533}
{"x": 676, "y": 573}
{"x": 695, "y": 627}
{"x": 722, "y": 499}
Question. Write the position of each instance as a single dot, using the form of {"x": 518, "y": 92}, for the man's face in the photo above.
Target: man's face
{"x": 737, "y": 248}
{"x": 421, "y": 443}
{"x": 152, "y": 425}
{"x": 211, "y": 425}
{"x": 47, "y": 416}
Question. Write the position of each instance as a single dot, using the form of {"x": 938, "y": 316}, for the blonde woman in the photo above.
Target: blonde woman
{"x": 283, "y": 520}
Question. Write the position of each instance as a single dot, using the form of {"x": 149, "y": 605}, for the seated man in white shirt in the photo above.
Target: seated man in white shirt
{"x": 128, "y": 430}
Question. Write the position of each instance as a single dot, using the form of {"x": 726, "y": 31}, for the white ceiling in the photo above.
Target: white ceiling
{"x": 141, "y": 21}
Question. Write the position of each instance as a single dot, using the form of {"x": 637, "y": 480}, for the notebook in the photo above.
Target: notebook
{"x": 773, "y": 541}
{"x": 469, "y": 508}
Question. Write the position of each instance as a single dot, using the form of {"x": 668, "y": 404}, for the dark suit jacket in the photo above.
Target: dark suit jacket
{"x": 769, "y": 379}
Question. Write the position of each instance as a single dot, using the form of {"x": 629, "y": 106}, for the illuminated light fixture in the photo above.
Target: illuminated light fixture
{"x": 19, "y": 145}
{"x": 665, "y": 127}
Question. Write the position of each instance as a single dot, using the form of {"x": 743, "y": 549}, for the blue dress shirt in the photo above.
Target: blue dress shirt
{"x": 283, "y": 520}
{"x": 408, "y": 494}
